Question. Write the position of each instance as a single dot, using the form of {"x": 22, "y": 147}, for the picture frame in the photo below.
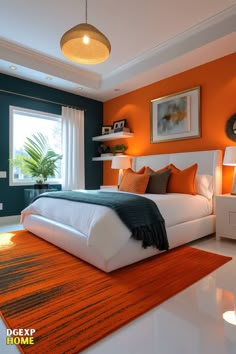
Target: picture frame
{"x": 118, "y": 125}
{"x": 106, "y": 129}
{"x": 176, "y": 116}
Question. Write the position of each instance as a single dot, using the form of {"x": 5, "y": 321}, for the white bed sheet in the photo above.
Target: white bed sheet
{"x": 177, "y": 208}
{"x": 91, "y": 220}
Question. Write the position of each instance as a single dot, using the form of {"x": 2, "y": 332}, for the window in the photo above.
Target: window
{"x": 24, "y": 123}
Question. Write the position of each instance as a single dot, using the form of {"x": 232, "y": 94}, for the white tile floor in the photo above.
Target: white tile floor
{"x": 189, "y": 323}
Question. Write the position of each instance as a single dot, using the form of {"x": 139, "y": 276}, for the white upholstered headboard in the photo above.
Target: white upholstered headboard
{"x": 209, "y": 163}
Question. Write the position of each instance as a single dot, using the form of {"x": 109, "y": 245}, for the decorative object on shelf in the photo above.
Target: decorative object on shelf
{"x": 40, "y": 162}
{"x": 119, "y": 149}
{"x": 121, "y": 163}
{"x": 107, "y": 154}
{"x": 85, "y": 44}
{"x": 230, "y": 127}
{"x": 105, "y": 150}
{"x": 106, "y": 129}
{"x": 118, "y": 125}
{"x": 176, "y": 116}
{"x": 124, "y": 129}
{"x": 230, "y": 160}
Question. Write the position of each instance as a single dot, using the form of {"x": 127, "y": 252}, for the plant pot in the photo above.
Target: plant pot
{"x": 41, "y": 186}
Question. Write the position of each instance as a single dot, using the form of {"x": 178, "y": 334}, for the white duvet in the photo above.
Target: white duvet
{"x": 103, "y": 228}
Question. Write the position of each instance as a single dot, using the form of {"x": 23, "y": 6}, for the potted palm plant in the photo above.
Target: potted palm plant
{"x": 40, "y": 162}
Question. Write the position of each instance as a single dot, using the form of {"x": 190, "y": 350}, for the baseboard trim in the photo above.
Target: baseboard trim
{"x": 14, "y": 219}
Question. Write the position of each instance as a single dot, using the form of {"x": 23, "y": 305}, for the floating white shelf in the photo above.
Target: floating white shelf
{"x": 102, "y": 158}
{"x": 106, "y": 158}
{"x": 113, "y": 136}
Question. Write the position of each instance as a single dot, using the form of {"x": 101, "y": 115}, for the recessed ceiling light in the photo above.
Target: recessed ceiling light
{"x": 79, "y": 88}
{"x": 48, "y": 78}
{"x": 12, "y": 67}
{"x": 117, "y": 89}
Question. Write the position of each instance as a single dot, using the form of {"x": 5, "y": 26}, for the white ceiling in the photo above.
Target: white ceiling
{"x": 150, "y": 40}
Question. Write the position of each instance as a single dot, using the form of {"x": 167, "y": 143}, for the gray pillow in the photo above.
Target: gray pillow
{"x": 158, "y": 182}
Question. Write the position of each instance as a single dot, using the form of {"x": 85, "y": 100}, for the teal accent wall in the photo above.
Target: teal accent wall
{"x": 13, "y": 197}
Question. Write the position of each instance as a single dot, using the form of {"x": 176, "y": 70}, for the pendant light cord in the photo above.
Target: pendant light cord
{"x": 86, "y": 11}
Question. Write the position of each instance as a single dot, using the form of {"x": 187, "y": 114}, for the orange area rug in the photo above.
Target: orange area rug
{"x": 71, "y": 304}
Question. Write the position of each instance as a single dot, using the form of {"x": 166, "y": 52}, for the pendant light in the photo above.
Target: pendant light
{"x": 85, "y": 44}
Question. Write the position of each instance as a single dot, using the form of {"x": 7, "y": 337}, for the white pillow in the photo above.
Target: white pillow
{"x": 204, "y": 185}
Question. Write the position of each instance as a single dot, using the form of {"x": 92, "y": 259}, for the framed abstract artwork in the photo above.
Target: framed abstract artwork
{"x": 176, "y": 116}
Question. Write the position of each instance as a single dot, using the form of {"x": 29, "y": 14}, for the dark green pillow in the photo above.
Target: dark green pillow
{"x": 158, "y": 182}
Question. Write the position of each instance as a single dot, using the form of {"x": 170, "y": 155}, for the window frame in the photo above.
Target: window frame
{"x": 36, "y": 114}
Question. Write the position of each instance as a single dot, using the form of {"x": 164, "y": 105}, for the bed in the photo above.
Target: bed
{"x": 96, "y": 234}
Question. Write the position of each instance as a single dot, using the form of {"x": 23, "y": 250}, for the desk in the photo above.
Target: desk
{"x": 31, "y": 193}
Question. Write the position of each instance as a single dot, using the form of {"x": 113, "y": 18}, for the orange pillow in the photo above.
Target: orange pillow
{"x": 172, "y": 167}
{"x": 134, "y": 183}
{"x": 182, "y": 181}
{"x": 139, "y": 172}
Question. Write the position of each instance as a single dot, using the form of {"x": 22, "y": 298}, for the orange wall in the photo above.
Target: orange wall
{"x": 217, "y": 80}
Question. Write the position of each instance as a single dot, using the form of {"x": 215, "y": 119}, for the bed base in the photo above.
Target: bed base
{"x": 74, "y": 242}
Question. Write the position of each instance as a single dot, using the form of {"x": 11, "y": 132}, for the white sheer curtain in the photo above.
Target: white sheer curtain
{"x": 73, "y": 148}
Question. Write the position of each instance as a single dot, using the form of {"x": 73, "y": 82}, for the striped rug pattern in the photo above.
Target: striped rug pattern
{"x": 71, "y": 304}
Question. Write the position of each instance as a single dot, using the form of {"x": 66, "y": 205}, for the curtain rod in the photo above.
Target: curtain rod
{"x": 42, "y": 99}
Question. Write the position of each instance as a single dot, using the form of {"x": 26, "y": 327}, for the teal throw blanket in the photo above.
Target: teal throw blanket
{"x": 141, "y": 215}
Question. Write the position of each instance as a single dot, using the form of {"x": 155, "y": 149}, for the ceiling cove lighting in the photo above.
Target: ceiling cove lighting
{"x": 85, "y": 44}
